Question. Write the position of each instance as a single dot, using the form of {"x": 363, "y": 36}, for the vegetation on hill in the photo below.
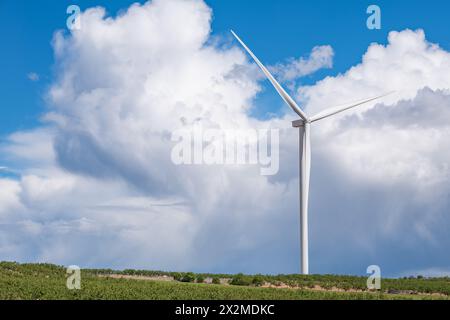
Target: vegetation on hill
{"x": 47, "y": 281}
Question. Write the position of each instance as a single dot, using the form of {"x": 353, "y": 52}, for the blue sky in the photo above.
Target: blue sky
{"x": 94, "y": 185}
{"x": 275, "y": 30}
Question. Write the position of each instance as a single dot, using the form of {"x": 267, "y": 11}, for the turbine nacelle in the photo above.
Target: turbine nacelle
{"x": 298, "y": 123}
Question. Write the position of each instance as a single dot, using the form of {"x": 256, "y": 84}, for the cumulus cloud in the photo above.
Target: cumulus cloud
{"x": 403, "y": 130}
{"x": 97, "y": 186}
{"x": 319, "y": 58}
{"x": 391, "y": 155}
{"x": 114, "y": 106}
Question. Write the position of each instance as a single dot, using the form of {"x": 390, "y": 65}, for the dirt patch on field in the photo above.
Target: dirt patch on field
{"x": 314, "y": 288}
{"x": 135, "y": 277}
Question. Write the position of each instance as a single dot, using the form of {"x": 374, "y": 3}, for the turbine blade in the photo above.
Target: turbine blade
{"x": 332, "y": 111}
{"x": 274, "y": 82}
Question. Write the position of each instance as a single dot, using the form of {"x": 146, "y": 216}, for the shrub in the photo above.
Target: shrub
{"x": 258, "y": 280}
{"x": 216, "y": 280}
{"x": 177, "y": 276}
{"x": 188, "y": 277}
{"x": 200, "y": 279}
{"x": 240, "y": 280}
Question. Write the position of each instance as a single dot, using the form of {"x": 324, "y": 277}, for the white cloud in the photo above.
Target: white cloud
{"x": 98, "y": 188}
{"x": 33, "y": 76}
{"x": 402, "y": 138}
{"x": 319, "y": 58}
{"x": 110, "y": 128}
{"x": 391, "y": 155}
{"x": 9, "y": 199}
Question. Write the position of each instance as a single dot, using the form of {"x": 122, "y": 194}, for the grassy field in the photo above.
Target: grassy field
{"x": 46, "y": 281}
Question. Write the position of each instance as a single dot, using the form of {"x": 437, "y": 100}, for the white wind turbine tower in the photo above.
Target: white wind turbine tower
{"x": 304, "y": 125}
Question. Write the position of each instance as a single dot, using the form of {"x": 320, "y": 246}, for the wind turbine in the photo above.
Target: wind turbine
{"x": 304, "y": 125}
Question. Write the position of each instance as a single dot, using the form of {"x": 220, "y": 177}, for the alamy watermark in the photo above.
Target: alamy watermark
{"x": 374, "y": 20}
{"x": 73, "y": 281}
{"x": 374, "y": 280}
{"x": 74, "y": 20}
{"x": 198, "y": 146}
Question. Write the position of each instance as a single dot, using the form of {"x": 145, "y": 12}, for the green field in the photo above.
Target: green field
{"x": 47, "y": 281}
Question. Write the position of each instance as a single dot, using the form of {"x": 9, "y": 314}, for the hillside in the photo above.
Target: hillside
{"x": 47, "y": 281}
